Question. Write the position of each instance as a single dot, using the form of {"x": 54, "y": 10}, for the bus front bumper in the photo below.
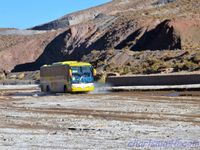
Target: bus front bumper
{"x": 82, "y": 87}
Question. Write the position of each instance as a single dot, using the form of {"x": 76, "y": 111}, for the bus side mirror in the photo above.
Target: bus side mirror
{"x": 94, "y": 72}
{"x": 70, "y": 73}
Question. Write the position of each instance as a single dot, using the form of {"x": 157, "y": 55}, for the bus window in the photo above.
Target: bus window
{"x": 82, "y": 75}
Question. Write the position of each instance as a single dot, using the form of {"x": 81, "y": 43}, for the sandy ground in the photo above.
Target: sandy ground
{"x": 143, "y": 120}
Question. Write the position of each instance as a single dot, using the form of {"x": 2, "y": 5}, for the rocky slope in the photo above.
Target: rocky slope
{"x": 19, "y": 47}
{"x": 120, "y": 33}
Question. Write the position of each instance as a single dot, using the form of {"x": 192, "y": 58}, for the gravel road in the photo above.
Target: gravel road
{"x": 135, "y": 120}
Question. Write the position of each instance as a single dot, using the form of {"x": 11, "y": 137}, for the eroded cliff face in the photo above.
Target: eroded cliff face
{"x": 133, "y": 25}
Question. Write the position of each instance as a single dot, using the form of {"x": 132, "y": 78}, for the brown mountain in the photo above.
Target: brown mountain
{"x": 122, "y": 34}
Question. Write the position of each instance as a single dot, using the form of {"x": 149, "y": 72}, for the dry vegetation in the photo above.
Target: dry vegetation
{"x": 146, "y": 62}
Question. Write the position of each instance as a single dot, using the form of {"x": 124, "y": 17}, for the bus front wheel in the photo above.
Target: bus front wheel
{"x": 65, "y": 89}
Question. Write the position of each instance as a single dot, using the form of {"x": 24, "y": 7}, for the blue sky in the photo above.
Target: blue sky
{"x": 27, "y": 13}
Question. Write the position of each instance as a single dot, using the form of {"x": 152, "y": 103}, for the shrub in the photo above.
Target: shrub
{"x": 21, "y": 76}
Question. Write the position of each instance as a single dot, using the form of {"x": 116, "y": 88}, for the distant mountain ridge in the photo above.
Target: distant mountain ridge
{"x": 110, "y": 8}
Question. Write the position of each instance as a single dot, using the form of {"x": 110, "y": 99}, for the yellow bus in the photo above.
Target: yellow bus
{"x": 68, "y": 76}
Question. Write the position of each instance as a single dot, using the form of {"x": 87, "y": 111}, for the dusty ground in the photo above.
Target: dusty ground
{"x": 32, "y": 120}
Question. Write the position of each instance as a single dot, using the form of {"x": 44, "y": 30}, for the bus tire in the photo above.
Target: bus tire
{"x": 65, "y": 89}
{"x": 47, "y": 89}
{"x": 42, "y": 88}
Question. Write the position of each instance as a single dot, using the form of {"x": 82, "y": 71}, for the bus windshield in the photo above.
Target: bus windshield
{"x": 82, "y": 74}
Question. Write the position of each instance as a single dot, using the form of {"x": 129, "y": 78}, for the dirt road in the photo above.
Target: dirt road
{"x": 33, "y": 120}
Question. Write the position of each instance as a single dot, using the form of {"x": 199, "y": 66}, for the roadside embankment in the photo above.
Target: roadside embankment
{"x": 185, "y": 81}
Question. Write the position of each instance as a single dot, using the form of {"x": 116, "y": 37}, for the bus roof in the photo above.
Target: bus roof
{"x": 70, "y": 63}
{"x": 74, "y": 63}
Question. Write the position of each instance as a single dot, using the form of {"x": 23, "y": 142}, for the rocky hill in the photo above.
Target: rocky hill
{"x": 125, "y": 36}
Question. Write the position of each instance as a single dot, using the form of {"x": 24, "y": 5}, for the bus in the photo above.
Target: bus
{"x": 68, "y": 76}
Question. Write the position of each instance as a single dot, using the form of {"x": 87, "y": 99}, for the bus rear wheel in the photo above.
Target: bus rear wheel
{"x": 42, "y": 88}
{"x": 47, "y": 89}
